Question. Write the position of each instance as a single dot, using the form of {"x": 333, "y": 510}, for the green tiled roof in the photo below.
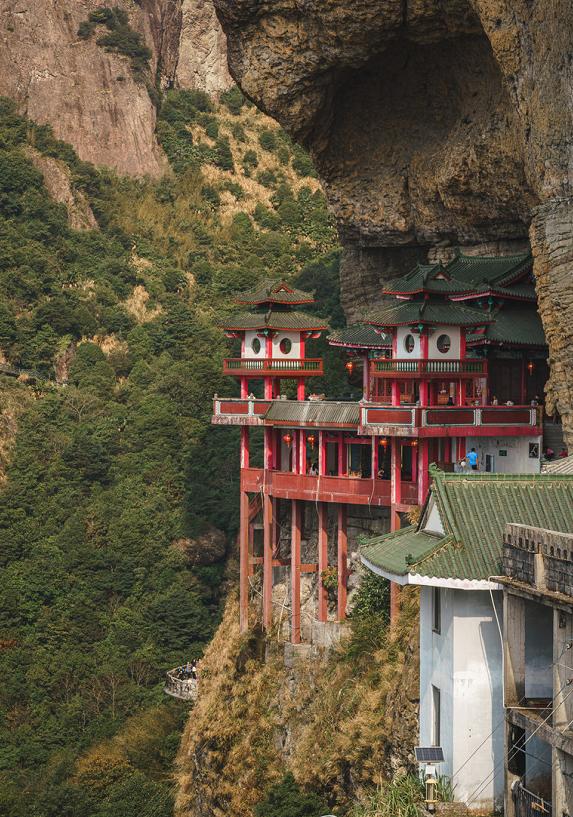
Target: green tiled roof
{"x": 274, "y": 319}
{"x": 274, "y": 292}
{"x": 360, "y": 336}
{"x": 519, "y": 325}
{"x": 474, "y": 509}
{"x": 322, "y": 413}
{"x": 479, "y": 269}
{"x": 464, "y": 274}
{"x": 405, "y": 313}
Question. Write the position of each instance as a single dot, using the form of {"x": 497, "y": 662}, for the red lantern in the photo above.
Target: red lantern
{"x": 384, "y": 441}
{"x": 287, "y": 438}
{"x": 414, "y": 443}
{"x": 311, "y": 440}
{"x": 349, "y": 366}
{"x": 530, "y": 367}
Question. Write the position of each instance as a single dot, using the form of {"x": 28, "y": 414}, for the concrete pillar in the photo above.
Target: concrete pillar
{"x": 509, "y": 777}
{"x": 295, "y": 572}
{"x": 244, "y": 561}
{"x": 322, "y": 560}
{"x": 514, "y": 648}
{"x": 562, "y": 668}
{"x": 342, "y": 562}
{"x": 267, "y": 561}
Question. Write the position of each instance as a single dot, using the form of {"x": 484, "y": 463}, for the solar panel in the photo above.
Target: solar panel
{"x": 429, "y": 754}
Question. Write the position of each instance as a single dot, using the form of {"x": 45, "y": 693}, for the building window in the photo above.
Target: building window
{"x": 285, "y": 346}
{"x": 436, "y": 610}
{"x": 409, "y": 343}
{"x": 444, "y": 343}
{"x": 256, "y": 346}
{"x": 435, "y": 716}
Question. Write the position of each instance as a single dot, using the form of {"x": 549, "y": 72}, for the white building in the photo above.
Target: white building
{"x": 452, "y": 555}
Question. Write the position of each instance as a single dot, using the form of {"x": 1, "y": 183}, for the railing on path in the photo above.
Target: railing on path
{"x": 528, "y": 804}
{"x": 186, "y": 689}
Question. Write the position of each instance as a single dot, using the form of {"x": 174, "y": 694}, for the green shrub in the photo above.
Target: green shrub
{"x": 210, "y": 194}
{"x": 223, "y": 154}
{"x": 238, "y": 132}
{"x": 233, "y": 100}
{"x": 211, "y": 128}
{"x": 234, "y": 188}
{"x": 302, "y": 163}
{"x": 283, "y": 155}
{"x": 265, "y": 217}
{"x": 120, "y": 39}
{"x": 250, "y": 159}
{"x": 267, "y": 178}
{"x": 400, "y": 797}
{"x": 287, "y": 799}
{"x": 267, "y": 140}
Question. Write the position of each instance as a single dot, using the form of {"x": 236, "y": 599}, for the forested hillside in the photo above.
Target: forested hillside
{"x": 110, "y": 474}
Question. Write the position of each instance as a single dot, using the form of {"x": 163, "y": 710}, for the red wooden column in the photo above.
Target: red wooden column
{"x": 342, "y": 562}
{"x": 424, "y": 385}
{"x": 395, "y": 474}
{"x": 415, "y": 460}
{"x": 374, "y": 457}
{"x": 322, "y": 560}
{"x": 268, "y": 448}
{"x": 423, "y": 477}
{"x": 321, "y": 453}
{"x": 244, "y": 387}
{"x": 295, "y": 573}
{"x": 268, "y": 356}
{"x": 244, "y": 446}
{"x": 244, "y": 562}
{"x": 395, "y": 393}
{"x": 341, "y": 469}
{"x": 366, "y": 378}
{"x": 447, "y": 449}
{"x": 302, "y": 452}
{"x": 300, "y": 389}
{"x": 267, "y": 561}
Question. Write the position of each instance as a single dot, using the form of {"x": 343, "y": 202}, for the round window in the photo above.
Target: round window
{"x": 444, "y": 344}
{"x": 285, "y": 346}
{"x": 256, "y": 346}
{"x": 409, "y": 343}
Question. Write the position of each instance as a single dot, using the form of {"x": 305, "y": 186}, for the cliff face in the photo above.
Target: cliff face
{"x": 432, "y": 123}
{"x": 88, "y": 95}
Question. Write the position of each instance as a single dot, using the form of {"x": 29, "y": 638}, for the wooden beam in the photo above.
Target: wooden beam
{"x": 295, "y": 573}
{"x": 322, "y": 560}
{"x": 342, "y": 562}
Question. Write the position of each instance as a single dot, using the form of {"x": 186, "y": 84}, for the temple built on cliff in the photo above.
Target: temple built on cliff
{"x": 453, "y": 365}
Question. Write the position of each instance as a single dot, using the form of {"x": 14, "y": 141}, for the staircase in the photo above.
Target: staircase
{"x": 553, "y": 436}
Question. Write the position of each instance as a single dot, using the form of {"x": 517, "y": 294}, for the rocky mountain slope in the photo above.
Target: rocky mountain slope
{"x": 432, "y": 124}
{"x": 89, "y": 93}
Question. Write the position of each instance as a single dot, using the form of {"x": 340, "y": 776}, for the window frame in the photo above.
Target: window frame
{"x": 436, "y": 610}
{"x": 436, "y": 715}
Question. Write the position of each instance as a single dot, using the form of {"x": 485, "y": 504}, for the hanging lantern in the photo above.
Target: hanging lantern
{"x": 311, "y": 440}
{"x": 414, "y": 443}
{"x": 287, "y": 438}
{"x": 349, "y": 366}
{"x": 531, "y": 367}
{"x": 384, "y": 441}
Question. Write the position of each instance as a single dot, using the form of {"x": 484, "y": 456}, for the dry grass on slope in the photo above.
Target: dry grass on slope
{"x": 340, "y": 724}
{"x": 14, "y": 397}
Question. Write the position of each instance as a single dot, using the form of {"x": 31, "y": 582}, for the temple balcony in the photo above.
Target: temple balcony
{"x": 185, "y": 689}
{"x": 450, "y": 421}
{"x": 428, "y": 369}
{"x": 344, "y": 489}
{"x": 382, "y": 419}
{"x": 273, "y": 367}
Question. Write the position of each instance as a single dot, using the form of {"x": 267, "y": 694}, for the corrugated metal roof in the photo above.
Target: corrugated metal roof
{"x": 274, "y": 319}
{"x": 474, "y": 509}
{"x": 563, "y": 465}
{"x": 317, "y": 412}
{"x": 361, "y": 336}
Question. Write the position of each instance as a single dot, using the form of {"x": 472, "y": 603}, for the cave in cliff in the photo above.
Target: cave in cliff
{"x": 434, "y": 125}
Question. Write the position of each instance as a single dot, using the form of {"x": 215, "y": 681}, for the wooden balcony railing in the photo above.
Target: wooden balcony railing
{"x": 434, "y": 368}
{"x": 345, "y": 489}
{"x": 279, "y": 367}
{"x": 435, "y": 421}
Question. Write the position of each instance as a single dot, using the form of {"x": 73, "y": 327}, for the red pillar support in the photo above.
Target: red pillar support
{"x": 267, "y": 562}
{"x": 322, "y": 560}
{"x": 244, "y": 387}
{"x": 414, "y": 461}
{"x": 395, "y": 482}
{"x": 244, "y": 562}
{"x": 302, "y": 452}
{"x": 268, "y": 448}
{"x": 340, "y": 454}
{"x": 365, "y": 378}
{"x": 460, "y": 393}
{"x": 374, "y": 457}
{"x": 423, "y": 477}
{"x": 342, "y": 562}
{"x": 295, "y": 573}
{"x": 321, "y": 453}
{"x": 523, "y": 389}
{"x": 447, "y": 449}
{"x": 244, "y": 446}
{"x": 300, "y": 389}
{"x": 395, "y": 393}
{"x": 295, "y": 455}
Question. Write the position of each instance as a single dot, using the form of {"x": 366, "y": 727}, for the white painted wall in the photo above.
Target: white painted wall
{"x": 454, "y": 334}
{"x": 517, "y": 460}
{"x": 249, "y": 351}
{"x": 464, "y": 662}
{"x": 294, "y": 338}
{"x": 401, "y": 332}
